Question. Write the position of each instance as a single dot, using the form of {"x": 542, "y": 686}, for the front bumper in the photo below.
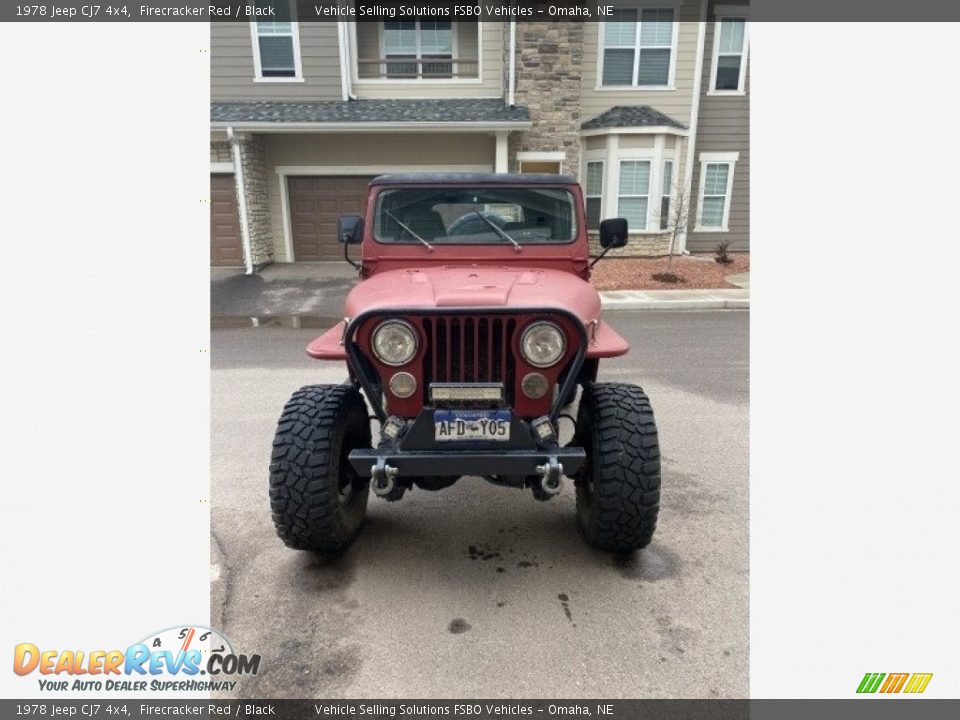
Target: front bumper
{"x": 416, "y": 453}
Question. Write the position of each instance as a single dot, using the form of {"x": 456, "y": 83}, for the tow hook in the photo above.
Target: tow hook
{"x": 550, "y": 473}
{"x": 383, "y": 478}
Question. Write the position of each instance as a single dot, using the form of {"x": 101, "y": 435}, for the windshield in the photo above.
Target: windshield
{"x": 475, "y": 215}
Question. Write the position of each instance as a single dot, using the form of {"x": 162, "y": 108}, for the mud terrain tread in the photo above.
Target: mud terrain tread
{"x": 626, "y": 450}
{"x": 305, "y": 467}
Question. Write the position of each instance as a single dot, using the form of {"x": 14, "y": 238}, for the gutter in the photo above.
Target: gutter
{"x": 511, "y": 79}
{"x": 241, "y": 200}
{"x": 694, "y": 116}
{"x": 315, "y": 127}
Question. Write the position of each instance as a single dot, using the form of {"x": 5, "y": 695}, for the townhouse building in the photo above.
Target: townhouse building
{"x": 647, "y": 109}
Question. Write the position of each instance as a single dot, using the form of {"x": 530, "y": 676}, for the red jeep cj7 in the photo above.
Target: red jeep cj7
{"x": 470, "y": 330}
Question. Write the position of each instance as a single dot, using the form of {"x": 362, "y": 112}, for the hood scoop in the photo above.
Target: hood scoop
{"x": 471, "y": 286}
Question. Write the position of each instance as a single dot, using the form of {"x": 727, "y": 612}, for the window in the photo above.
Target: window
{"x": 418, "y": 41}
{"x": 594, "y": 193}
{"x": 716, "y": 183}
{"x": 638, "y": 51}
{"x": 475, "y": 215}
{"x": 276, "y": 47}
{"x": 729, "y": 55}
{"x": 634, "y": 193}
{"x": 666, "y": 191}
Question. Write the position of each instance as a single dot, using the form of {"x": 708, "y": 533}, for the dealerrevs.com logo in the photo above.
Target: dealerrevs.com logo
{"x": 888, "y": 684}
{"x": 182, "y": 658}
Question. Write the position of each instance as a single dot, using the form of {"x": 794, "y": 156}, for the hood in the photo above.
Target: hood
{"x": 475, "y": 286}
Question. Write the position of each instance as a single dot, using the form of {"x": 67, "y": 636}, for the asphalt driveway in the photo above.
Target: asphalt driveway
{"x": 480, "y": 591}
{"x": 281, "y": 289}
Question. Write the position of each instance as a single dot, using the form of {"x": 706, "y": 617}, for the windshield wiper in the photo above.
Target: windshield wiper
{"x": 412, "y": 233}
{"x": 497, "y": 230}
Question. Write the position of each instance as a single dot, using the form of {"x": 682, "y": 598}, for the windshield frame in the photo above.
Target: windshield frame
{"x": 495, "y": 241}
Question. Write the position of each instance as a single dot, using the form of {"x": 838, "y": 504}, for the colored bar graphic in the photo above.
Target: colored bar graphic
{"x": 894, "y": 682}
{"x": 870, "y": 682}
{"x": 918, "y": 682}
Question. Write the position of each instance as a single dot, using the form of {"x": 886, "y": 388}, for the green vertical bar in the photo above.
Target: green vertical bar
{"x": 875, "y": 686}
{"x": 862, "y": 688}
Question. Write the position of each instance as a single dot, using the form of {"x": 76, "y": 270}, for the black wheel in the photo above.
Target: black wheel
{"x": 618, "y": 489}
{"x": 317, "y": 500}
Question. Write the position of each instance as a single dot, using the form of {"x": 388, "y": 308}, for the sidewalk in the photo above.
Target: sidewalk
{"x": 727, "y": 299}
{"x": 720, "y": 299}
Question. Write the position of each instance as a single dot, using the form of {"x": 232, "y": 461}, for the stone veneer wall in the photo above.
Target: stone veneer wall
{"x": 220, "y": 152}
{"x": 257, "y": 199}
{"x": 549, "y": 60}
{"x": 653, "y": 245}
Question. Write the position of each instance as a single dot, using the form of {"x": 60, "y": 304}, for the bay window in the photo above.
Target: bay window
{"x": 666, "y": 192}
{"x": 634, "y": 193}
{"x": 594, "y": 194}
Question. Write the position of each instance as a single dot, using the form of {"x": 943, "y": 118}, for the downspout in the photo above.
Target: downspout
{"x": 346, "y": 79}
{"x": 511, "y": 79}
{"x": 341, "y": 44}
{"x": 241, "y": 199}
{"x": 694, "y": 116}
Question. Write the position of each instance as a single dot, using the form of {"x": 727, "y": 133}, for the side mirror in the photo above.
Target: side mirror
{"x": 613, "y": 233}
{"x": 350, "y": 229}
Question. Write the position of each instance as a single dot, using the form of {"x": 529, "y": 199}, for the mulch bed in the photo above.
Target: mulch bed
{"x": 695, "y": 271}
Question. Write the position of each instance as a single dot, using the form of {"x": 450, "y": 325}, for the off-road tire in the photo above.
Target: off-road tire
{"x": 618, "y": 489}
{"x": 318, "y": 428}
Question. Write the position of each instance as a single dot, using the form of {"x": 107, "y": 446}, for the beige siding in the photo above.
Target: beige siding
{"x": 232, "y": 70}
{"x": 675, "y": 103}
{"x": 632, "y": 142}
{"x": 724, "y": 126}
{"x": 360, "y": 153}
{"x": 367, "y": 40}
{"x": 489, "y": 84}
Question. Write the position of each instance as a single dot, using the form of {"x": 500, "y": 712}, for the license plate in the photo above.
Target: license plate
{"x": 454, "y": 425}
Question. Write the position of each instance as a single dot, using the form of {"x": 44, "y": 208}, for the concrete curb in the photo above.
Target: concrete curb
{"x": 676, "y": 299}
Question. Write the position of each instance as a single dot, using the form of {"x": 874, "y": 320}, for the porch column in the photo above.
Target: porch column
{"x": 501, "y": 159}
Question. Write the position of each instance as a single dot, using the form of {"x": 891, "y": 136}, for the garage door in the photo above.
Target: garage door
{"x": 226, "y": 246}
{"x": 315, "y": 205}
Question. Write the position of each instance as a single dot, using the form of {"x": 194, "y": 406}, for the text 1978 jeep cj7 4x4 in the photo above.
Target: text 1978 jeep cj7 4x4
{"x": 470, "y": 329}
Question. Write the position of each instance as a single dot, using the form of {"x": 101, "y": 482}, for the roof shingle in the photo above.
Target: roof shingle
{"x": 631, "y": 116}
{"x": 368, "y": 111}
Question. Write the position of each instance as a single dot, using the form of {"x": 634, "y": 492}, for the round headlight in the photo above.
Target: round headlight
{"x": 395, "y": 342}
{"x": 542, "y": 344}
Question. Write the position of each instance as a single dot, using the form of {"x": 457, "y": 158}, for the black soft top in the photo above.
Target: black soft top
{"x": 473, "y": 178}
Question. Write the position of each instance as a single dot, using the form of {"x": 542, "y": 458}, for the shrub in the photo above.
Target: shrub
{"x": 721, "y": 255}
{"x": 667, "y": 277}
